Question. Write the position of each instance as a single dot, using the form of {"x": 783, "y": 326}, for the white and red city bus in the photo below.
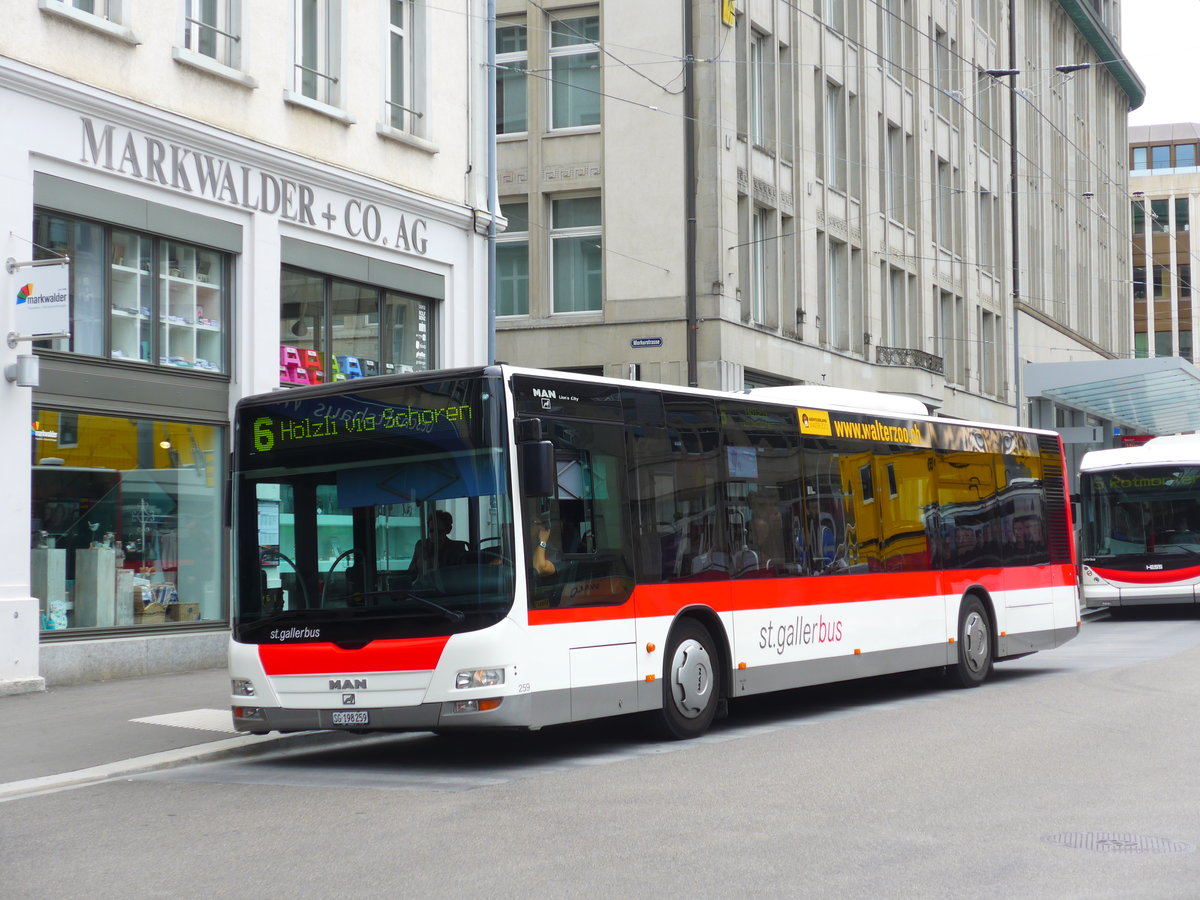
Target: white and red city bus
{"x": 512, "y": 547}
{"x": 1140, "y": 521}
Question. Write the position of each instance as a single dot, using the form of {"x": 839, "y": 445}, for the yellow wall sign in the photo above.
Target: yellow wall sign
{"x": 728, "y": 11}
{"x": 814, "y": 421}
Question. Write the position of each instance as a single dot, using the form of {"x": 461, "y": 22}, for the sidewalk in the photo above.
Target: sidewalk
{"x": 76, "y": 734}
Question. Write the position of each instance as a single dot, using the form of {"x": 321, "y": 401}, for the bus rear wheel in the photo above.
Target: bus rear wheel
{"x": 974, "y": 645}
{"x": 691, "y": 684}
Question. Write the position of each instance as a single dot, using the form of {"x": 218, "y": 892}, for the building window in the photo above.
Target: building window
{"x": 988, "y": 215}
{"x": 212, "y": 28}
{"x": 1162, "y": 281}
{"x": 333, "y": 329}
{"x": 835, "y": 136}
{"x": 109, "y": 10}
{"x": 574, "y": 72}
{"x": 126, "y": 521}
{"x": 1182, "y": 220}
{"x": 1139, "y": 282}
{"x": 1139, "y": 217}
{"x": 891, "y": 36}
{"x": 512, "y": 262}
{"x": 760, "y": 235}
{"x": 897, "y": 308}
{"x": 758, "y": 88}
{"x": 1160, "y": 215}
{"x": 943, "y": 77}
{"x": 576, "y": 254}
{"x": 1185, "y": 280}
{"x": 1140, "y": 161}
{"x": 837, "y": 296}
{"x": 1185, "y": 156}
{"x": 512, "y": 96}
{"x": 318, "y": 50}
{"x": 989, "y": 353}
{"x": 943, "y": 204}
{"x": 405, "y": 106}
{"x": 1160, "y": 157}
{"x": 139, "y": 297}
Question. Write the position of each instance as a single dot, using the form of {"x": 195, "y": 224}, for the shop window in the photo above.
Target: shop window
{"x": 138, "y": 297}
{"x": 512, "y": 97}
{"x": 334, "y": 329}
{"x": 126, "y": 521}
{"x": 574, "y": 72}
{"x": 512, "y": 262}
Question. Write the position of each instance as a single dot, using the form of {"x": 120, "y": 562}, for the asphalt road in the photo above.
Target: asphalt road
{"x": 1070, "y": 774}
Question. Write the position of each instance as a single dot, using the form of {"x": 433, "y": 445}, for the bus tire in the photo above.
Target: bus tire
{"x": 975, "y": 651}
{"x": 691, "y": 687}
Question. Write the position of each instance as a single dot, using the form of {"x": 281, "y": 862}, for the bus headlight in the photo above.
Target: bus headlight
{"x": 242, "y": 687}
{"x": 474, "y": 678}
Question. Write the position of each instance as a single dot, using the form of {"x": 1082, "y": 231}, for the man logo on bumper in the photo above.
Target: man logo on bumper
{"x": 347, "y": 684}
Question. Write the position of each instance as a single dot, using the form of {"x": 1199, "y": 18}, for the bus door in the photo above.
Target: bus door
{"x": 580, "y": 568}
{"x": 680, "y": 522}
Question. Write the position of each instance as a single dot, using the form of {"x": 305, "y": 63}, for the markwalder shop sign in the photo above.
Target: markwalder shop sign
{"x": 246, "y": 187}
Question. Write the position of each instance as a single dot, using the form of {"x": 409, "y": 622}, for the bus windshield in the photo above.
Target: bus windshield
{"x": 375, "y": 514}
{"x": 1132, "y": 514}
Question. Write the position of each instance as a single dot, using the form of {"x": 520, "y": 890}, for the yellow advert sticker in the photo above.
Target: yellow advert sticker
{"x": 815, "y": 421}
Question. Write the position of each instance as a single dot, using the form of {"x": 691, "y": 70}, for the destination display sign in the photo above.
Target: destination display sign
{"x": 449, "y": 416}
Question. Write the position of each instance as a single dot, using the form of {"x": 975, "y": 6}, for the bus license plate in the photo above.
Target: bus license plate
{"x": 359, "y": 717}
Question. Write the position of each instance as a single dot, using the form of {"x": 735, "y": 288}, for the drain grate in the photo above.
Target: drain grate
{"x": 1117, "y": 842}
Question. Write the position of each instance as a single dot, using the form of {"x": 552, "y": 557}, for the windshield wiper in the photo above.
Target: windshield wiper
{"x": 1188, "y": 550}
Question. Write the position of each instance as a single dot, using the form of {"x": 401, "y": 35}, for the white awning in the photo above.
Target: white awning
{"x": 1151, "y": 396}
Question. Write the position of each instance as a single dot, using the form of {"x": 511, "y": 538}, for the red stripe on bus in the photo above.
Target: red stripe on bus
{"x": 773, "y": 593}
{"x": 1159, "y": 576}
{"x": 415, "y": 655}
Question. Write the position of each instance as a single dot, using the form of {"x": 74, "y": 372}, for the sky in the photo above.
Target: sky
{"x": 1161, "y": 38}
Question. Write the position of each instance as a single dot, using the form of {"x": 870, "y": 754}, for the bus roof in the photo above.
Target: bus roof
{"x": 1169, "y": 449}
{"x": 814, "y": 396}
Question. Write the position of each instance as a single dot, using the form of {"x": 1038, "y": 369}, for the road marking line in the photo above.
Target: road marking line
{"x": 220, "y": 720}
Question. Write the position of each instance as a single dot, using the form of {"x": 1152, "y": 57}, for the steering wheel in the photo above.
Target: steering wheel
{"x": 291, "y": 562}
{"x": 492, "y": 555}
{"x": 332, "y": 566}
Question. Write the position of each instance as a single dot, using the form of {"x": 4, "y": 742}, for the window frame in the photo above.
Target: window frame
{"x": 512, "y": 66}
{"x": 113, "y": 22}
{"x": 574, "y": 233}
{"x": 160, "y": 278}
{"x": 511, "y": 239}
{"x": 326, "y": 71}
{"x": 558, "y": 52}
{"x": 224, "y": 29}
{"x": 325, "y": 338}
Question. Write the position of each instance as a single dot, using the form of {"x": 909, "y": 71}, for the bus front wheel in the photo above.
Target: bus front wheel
{"x": 691, "y": 684}
{"x": 974, "y": 645}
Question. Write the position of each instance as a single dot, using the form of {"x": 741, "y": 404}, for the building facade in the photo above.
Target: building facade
{"x": 850, "y": 169}
{"x": 250, "y": 196}
{"x": 1164, "y": 184}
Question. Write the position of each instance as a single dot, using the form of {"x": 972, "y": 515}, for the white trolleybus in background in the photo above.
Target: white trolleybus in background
{"x": 507, "y": 547}
{"x": 1140, "y": 521}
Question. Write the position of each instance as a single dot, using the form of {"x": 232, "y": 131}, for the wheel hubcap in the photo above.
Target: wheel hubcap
{"x": 975, "y": 641}
{"x": 691, "y": 678}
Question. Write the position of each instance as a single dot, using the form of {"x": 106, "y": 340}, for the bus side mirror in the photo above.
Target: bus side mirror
{"x": 538, "y": 472}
